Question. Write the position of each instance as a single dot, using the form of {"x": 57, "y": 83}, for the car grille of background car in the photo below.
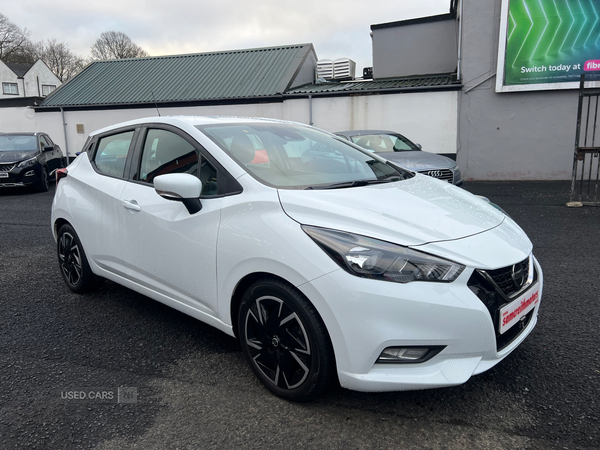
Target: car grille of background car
{"x": 440, "y": 174}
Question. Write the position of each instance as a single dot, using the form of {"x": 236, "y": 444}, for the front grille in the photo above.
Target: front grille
{"x": 440, "y": 174}
{"x": 487, "y": 286}
{"x": 504, "y": 277}
{"x": 7, "y": 167}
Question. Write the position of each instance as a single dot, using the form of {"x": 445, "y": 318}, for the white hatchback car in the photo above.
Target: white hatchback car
{"x": 321, "y": 257}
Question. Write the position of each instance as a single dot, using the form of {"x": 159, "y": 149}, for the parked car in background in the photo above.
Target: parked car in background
{"x": 28, "y": 159}
{"x": 322, "y": 258}
{"x": 402, "y": 151}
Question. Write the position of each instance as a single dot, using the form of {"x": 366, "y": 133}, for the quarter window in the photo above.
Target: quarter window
{"x": 166, "y": 152}
{"x": 112, "y": 152}
{"x": 10, "y": 89}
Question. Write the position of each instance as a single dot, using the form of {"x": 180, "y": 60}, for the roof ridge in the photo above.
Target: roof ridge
{"x": 217, "y": 52}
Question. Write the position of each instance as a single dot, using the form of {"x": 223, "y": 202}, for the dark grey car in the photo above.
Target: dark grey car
{"x": 403, "y": 152}
{"x": 28, "y": 159}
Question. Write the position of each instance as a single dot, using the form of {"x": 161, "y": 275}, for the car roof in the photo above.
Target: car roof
{"x": 26, "y": 133}
{"x": 192, "y": 120}
{"x": 365, "y": 132}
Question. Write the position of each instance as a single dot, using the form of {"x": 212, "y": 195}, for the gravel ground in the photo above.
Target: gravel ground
{"x": 195, "y": 390}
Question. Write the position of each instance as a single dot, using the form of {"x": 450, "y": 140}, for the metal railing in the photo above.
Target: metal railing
{"x": 586, "y": 160}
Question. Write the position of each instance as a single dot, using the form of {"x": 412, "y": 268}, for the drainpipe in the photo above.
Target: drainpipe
{"x": 460, "y": 21}
{"x": 65, "y": 131}
{"x": 38, "y": 85}
{"x": 310, "y": 121}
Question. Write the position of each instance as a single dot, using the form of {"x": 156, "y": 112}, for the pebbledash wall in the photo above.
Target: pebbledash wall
{"x": 428, "y": 118}
{"x": 508, "y": 135}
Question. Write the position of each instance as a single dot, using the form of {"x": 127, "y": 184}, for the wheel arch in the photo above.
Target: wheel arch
{"x": 58, "y": 223}
{"x": 242, "y": 286}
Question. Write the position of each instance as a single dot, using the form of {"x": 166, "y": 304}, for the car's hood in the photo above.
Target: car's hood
{"x": 16, "y": 156}
{"x": 410, "y": 212}
{"x": 418, "y": 160}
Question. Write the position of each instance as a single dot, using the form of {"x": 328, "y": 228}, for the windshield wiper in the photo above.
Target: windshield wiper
{"x": 356, "y": 183}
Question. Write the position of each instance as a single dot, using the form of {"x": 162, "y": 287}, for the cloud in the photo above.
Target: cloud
{"x": 336, "y": 28}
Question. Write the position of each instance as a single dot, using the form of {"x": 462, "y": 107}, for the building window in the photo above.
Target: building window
{"x": 10, "y": 89}
{"x": 47, "y": 88}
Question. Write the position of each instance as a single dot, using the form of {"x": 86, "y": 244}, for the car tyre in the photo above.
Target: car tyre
{"x": 44, "y": 183}
{"x": 73, "y": 263}
{"x": 285, "y": 341}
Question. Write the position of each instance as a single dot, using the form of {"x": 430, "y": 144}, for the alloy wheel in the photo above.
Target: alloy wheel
{"x": 278, "y": 343}
{"x": 70, "y": 258}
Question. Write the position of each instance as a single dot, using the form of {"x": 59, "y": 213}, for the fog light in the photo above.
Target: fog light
{"x": 397, "y": 355}
{"x": 30, "y": 173}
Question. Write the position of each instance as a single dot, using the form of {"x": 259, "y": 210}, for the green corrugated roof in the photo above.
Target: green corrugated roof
{"x": 379, "y": 85}
{"x": 236, "y": 74}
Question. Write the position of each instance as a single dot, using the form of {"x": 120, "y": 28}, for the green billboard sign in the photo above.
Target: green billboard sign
{"x": 549, "y": 41}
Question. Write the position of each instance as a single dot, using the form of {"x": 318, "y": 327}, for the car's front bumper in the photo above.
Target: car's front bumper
{"x": 19, "y": 177}
{"x": 366, "y": 316}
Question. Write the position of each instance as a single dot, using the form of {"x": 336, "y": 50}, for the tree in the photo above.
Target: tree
{"x": 15, "y": 45}
{"x": 59, "y": 59}
{"x": 116, "y": 45}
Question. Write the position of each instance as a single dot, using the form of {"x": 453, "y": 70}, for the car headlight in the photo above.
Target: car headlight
{"x": 27, "y": 162}
{"x": 371, "y": 258}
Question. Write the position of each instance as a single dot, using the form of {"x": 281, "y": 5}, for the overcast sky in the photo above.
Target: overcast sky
{"x": 338, "y": 29}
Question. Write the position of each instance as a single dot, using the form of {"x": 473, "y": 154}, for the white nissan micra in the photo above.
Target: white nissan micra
{"x": 323, "y": 259}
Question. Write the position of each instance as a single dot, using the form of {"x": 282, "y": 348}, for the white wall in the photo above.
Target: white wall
{"x": 428, "y": 118}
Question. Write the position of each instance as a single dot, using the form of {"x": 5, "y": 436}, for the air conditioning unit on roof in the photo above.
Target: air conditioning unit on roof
{"x": 338, "y": 70}
{"x": 325, "y": 69}
{"x": 344, "y": 69}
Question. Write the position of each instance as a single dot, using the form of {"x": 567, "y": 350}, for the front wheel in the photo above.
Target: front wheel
{"x": 73, "y": 263}
{"x": 44, "y": 183}
{"x": 285, "y": 341}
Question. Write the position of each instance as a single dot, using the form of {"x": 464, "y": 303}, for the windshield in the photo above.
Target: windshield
{"x": 18, "y": 144}
{"x": 298, "y": 157}
{"x": 384, "y": 143}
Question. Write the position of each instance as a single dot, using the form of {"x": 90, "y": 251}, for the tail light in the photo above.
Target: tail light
{"x": 61, "y": 173}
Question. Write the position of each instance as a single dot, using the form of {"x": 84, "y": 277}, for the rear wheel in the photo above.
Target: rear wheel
{"x": 73, "y": 263}
{"x": 285, "y": 341}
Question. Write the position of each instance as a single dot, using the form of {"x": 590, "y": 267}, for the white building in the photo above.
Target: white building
{"x": 26, "y": 80}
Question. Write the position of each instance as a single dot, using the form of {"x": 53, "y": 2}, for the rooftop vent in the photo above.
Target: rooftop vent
{"x": 344, "y": 69}
{"x": 325, "y": 69}
{"x": 338, "y": 70}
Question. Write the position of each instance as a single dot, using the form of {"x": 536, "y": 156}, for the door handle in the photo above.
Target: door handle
{"x": 131, "y": 205}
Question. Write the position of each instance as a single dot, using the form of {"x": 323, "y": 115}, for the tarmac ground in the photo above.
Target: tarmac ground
{"x": 187, "y": 385}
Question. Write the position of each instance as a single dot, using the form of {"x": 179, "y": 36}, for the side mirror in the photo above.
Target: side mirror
{"x": 419, "y": 146}
{"x": 180, "y": 187}
{"x": 48, "y": 148}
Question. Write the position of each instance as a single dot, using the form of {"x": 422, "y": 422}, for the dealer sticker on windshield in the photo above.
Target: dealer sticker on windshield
{"x": 512, "y": 313}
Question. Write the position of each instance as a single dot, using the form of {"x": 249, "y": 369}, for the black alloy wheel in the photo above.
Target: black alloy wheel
{"x": 285, "y": 341}
{"x": 73, "y": 263}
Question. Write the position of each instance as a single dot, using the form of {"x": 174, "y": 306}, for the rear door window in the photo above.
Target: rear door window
{"x": 112, "y": 153}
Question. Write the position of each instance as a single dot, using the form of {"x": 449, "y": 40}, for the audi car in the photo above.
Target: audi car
{"x": 28, "y": 159}
{"x": 325, "y": 260}
{"x": 402, "y": 151}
